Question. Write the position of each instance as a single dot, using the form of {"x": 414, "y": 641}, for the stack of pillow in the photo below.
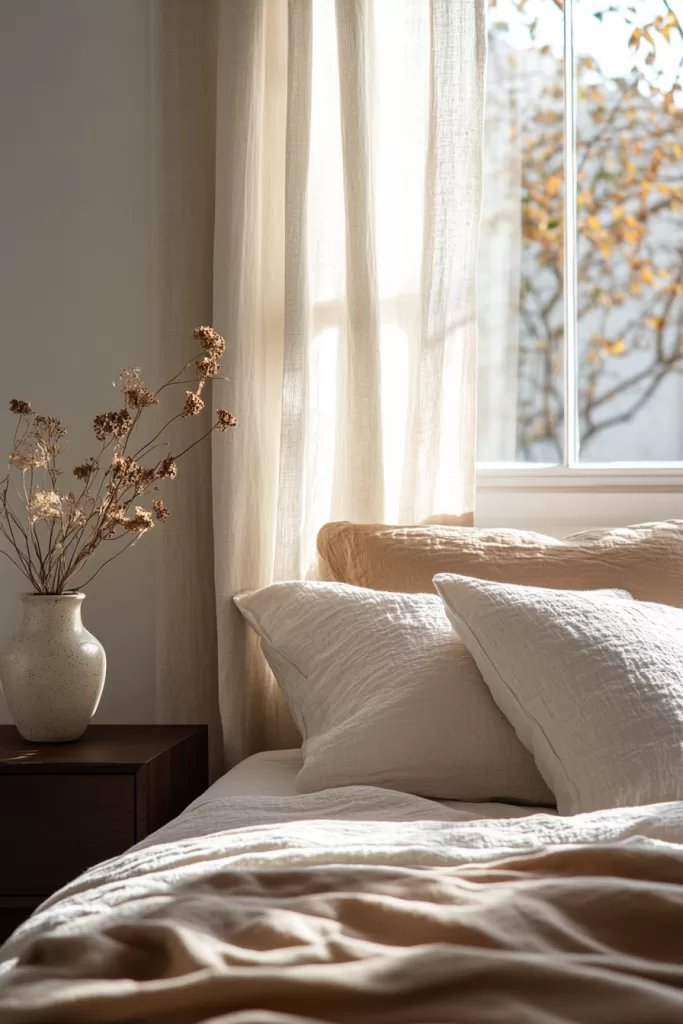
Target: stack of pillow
{"x": 486, "y": 665}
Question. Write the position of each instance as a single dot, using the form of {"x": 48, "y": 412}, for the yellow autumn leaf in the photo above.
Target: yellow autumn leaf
{"x": 593, "y": 223}
{"x": 647, "y": 275}
{"x": 616, "y": 348}
{"x": 618, "y": 212}
{"x": 553, "y": 185}
{"x": 654, "y": 323}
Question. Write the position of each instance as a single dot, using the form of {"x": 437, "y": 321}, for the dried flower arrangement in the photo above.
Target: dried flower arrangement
{"x": 53, "y": 534}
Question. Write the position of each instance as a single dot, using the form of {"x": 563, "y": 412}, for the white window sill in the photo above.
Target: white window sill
{"x": 559, "y": 501}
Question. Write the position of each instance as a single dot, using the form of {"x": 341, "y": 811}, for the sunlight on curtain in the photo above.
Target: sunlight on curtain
{"x": 400, "y": 64}
{"x": 500, "y": 259}
{"x": 348, "y": 186}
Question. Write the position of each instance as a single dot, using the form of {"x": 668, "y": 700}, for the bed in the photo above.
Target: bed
{"x": 484, "y": 823}
{"x": 364, "y": 904}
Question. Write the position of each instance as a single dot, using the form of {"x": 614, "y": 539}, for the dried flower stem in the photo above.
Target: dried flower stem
{"x": 173, "y": 383}
{"x": 53, "y": 535}
{"x": 141, "y": 452}
{"x": 19, "y": 567}
{"x": 130, "y": 543}
{"x": 174, "y": 379}
{"x": 195, "y": 443}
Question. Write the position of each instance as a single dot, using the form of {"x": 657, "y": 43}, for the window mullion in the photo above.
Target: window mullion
{"x": 571, "y": 431}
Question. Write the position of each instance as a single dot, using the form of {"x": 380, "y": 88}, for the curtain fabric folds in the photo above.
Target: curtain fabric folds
{"x": 348, "y": 169}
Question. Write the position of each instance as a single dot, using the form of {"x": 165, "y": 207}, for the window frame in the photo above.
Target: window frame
{"x": 574, "y": 494}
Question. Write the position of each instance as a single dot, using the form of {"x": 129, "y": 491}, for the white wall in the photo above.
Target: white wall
{"x": 78, "y": 269}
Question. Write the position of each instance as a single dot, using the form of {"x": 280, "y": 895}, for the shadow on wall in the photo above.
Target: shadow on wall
{"x": 77, "y": 271}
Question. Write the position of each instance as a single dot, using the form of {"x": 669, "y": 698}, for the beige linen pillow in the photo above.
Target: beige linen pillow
{"x": 646, "y": 560}
{"x": 592, "y": 683}
{"x": 385, "y": 694}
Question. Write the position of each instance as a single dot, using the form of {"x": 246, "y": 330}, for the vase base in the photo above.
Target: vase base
{"x": 42, "y": 739}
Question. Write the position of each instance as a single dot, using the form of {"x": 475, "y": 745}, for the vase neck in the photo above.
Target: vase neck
{"x": 60, "y": 611}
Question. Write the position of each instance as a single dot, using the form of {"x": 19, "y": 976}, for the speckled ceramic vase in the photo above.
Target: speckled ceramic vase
{"x": 52, "y": 670}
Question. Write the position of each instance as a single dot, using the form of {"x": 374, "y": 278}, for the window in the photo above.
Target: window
{"x": 581, "y": 259}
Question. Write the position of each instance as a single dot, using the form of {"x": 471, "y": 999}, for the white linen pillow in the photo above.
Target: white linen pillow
{"x": 592, "y": 683}
{"x": 385, "y": 695}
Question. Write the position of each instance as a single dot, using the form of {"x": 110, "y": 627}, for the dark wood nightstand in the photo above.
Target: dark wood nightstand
{"x": 66, "y": 806}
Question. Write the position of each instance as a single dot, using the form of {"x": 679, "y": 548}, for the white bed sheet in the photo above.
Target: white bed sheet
{"x": 273, "y": 773}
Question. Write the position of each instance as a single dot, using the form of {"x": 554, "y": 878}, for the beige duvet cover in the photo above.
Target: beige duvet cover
{"x": 540, "y": 920}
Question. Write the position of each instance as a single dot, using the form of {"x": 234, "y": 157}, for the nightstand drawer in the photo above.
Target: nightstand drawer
{"x": 55, "y": 826}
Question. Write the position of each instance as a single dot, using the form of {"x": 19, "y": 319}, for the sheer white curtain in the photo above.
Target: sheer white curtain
{"x": 348, "y": 190}
{"x": 500, "y": 258}
{"x": 348, "y": 182}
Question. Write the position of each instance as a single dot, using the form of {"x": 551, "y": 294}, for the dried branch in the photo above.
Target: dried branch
{"x": 54, "y": 534}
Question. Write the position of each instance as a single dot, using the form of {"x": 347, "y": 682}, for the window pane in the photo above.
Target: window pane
{"x": 520, "y": 276}
{"x": 630, "y": 226}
